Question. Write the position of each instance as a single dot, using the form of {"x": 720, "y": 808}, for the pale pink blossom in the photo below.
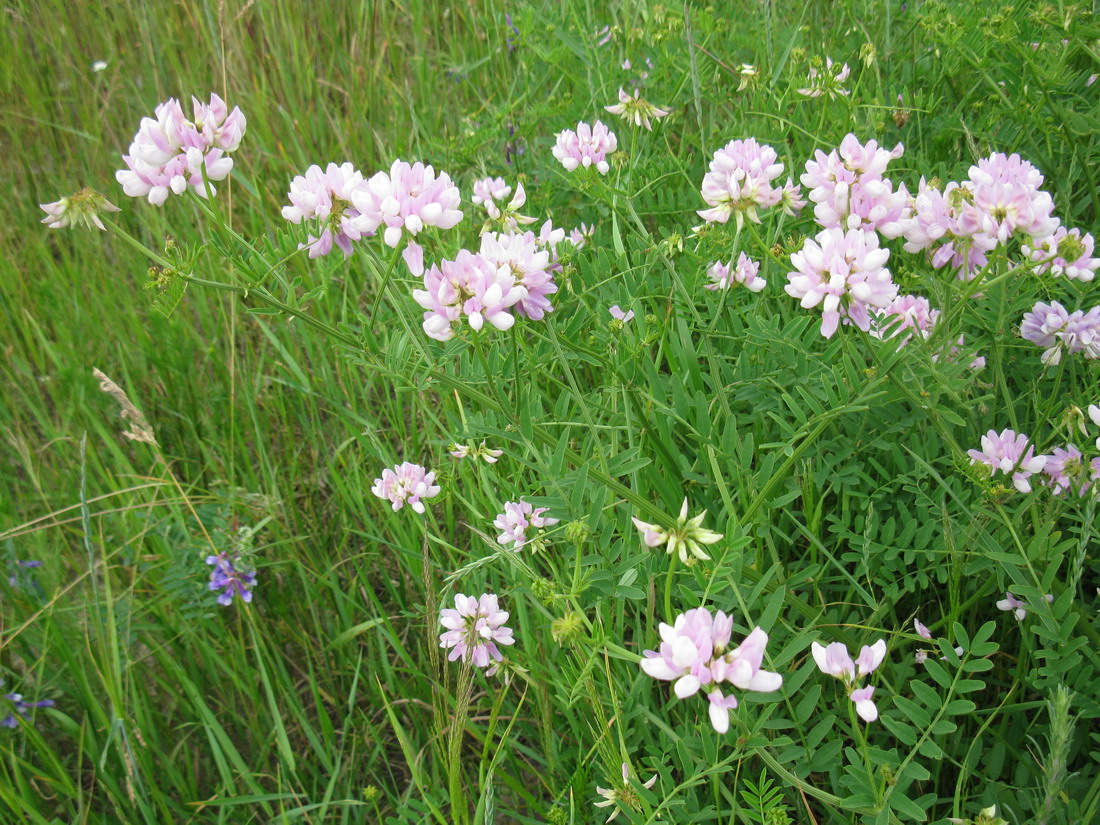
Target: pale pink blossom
{"x": 529, "y": 263}
{"x": 694, "y": 656}
{"x": 468, "y": 287}
{"x": 1011, "y": 454}
{"x": 171, "y": 153}
{"x": 739, "y": 182}
{"x": 745, "y": 273}
{"x": 488, "y": 190}
{"x": 922, "y": 631}
{"x": 1067, "y": 470}
{"x": 406, "y": 483}
{"x": 326, "y": 196}
{"x": 408, "y": 198}
{"x": 519, "y": 517}
{"x": 865, "y": 706}
{"x": 906, "y": 314}
{"x": 833, "y": 660}
{"x": 587, "y": 146}
{"x": 1052, "y": 327}
{"x": 475, "y": 452}
{"x": 850, "y": 192}
{"x": 845, "y": 273}
{"x": 507, "y": 219}
{"x": 619, "y": 315}
{"x": 1018, "y": 608}
{"x": 580, "y": 235}
{"x": 474, "y": 628}
{"x": 1066, "y": 252}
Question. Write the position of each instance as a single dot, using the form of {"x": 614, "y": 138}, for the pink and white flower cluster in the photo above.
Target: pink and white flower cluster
{"x": 833, "y": 660}
{"x": 1066, "y": 252}
{"x": 843, "y": 272}
{"x": 528, "y": 260}
{"x": 468, "y": 287}
{"x": 406, "y": 483}
{"x": 849, "y": 191}
{"x": 739, "y": 182}
{"x": 1068, "y": 470}
{"x": 745, "y": 272}
{"x": 408, "y": 198}
{"x": 487, "y": 193}
{"x": 1050, "y": 326}
{"x": 588, "y": 146}
{"x": 327, "y": 196}
{"x": 519, "y": 517}
{"x": 1011, "y": 454}
{"x": 695, "y": 655}
{"x": 474, "y": 628}
{"x": 170, "y": 152}
{"x": 909, "y": 315}
{"x": 1001, "y": 198}
{"x": 512, "y": 274}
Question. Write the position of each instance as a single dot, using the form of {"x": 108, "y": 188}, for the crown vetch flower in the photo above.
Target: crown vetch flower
{"x": 827, "y": 79}
{"x": 488, "y": 190}
{"x": 620, "y": 316}
{"x": 934, "y": 224}
{"x": 406, "y": 483}
{"x": 508, "y": 219}
{"x": 745, "y": 273}
{"x": 624, "y": 793}
{"x": 850, "y": 192}
{"x": 1052, "y": 327}
{"x": 922, "y": 631}
{"x": 480, "y": 451}
{"x": 327, "y": 196}
{"x": 844, "y": 272}
{"x": 1007, "y": 198}
{"x": 580, "y": 235}
{"x": 469, "y": 286}
{"x": 1066, "y": 252}
{"x": 1067, "y": 470}
{"x": 1009, "y": 453}
{"x": 906, "y": 312}
{"x": 636, "y": 110}
{"x": 588, "y": 146}
{"x": 170, "y": 153}
{"x": 518, "y": 517}
{"x": 474, "y": 628}
{"x": 833, "y": 660}
{"x": 79, "y": 209}
{"x": 408, "y": 198}
{"x": 740, "y": 182}
{"x": 529, "y": 263}
{"x": 694, "y": 655}
{"x": 684, "y": 538}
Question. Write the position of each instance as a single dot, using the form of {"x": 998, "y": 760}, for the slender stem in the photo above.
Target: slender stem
{"x": 385, "y": 282}
{"x": 138, "y": 245}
